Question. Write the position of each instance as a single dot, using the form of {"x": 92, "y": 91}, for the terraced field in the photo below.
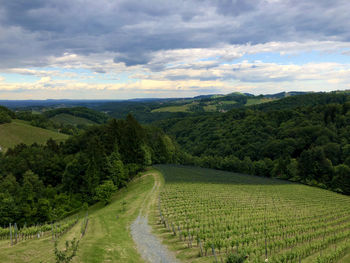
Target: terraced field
{"x": 206, "y": 213}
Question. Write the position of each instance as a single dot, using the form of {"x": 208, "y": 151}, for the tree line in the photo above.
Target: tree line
{"x": 283, "y": 139}
{"x": 41, "y": 183}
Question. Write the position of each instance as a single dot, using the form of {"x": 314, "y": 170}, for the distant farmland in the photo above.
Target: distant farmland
{"x": 64, "y": 118}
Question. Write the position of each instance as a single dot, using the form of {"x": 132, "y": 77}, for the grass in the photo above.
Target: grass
{"x": 218, "y": 206}
{"x": 107, "y": 238}
{"x": 64, "y": 118}
{"x": 254, "y": 101}
{"x": 19, "y": 131}
{"x": 210, "y": 107}
{"x": 180, "y": 108}
{"x": 35, "y": 250}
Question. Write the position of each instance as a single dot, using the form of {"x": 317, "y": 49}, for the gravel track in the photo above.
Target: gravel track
{"x": 149, "y": 246}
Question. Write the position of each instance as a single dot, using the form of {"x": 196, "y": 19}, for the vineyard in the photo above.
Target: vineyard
{"x": 14, "y": 234}
{"x": 210, "y": 214}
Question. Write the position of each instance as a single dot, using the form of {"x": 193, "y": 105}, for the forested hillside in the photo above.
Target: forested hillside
{"x": 309, "y": 144}
{"x": 44, "y": 183}
{"x": 65, "y": 120}
{"x": 83, "y": 112}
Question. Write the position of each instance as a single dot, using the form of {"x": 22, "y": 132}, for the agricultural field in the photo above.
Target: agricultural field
{"x": 255, "y": 101}
{"x": 205, "y": 214}
{"x": 19, "y": 131}
{"x": 65, "y": 118}
{"x": 179, "y": 108}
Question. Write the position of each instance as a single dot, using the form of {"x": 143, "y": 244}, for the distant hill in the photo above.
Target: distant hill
{"x": 67, "y": 119}
{"x": 285, "y": 94}
{"x": 78, "y": 114}
{"x": 145, "y": 110}
{"x": 217, "y": 102}
{"x": 307, "y": 99}
{"x": 19, "y": 131}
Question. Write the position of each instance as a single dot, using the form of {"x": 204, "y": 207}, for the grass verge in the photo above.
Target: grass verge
{"x": 107, "y": 238}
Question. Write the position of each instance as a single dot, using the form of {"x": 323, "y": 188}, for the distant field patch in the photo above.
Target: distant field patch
{"x": 210, "y": 107}
{"x": 254, "y": 101}
{"x": 228, "y": 102}
{"x": 64, "y": 118}
{"x": 19, "y": 131}
{"x": 180, "y": 108}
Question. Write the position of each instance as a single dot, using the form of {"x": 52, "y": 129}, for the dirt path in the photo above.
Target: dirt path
{"x": 148, "y": 245}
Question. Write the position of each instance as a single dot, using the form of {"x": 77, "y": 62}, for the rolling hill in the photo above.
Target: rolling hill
{"x": 64, "y": 118}
{"x": 19, "y": 131}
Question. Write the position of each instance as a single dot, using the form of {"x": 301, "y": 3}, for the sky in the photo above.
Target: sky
{"x": 116, "y": 49}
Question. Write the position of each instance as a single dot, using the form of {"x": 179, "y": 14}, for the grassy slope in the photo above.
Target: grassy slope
{"x": 70, "y": 119}
{"x": 180, "y": 108}
{"x": 107, "y": 238}
{"x": 19, "y": 131}
{"x": 255, "y": 101}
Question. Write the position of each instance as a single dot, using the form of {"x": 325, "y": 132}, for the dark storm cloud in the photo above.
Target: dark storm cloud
{"x": 32, "y": 30}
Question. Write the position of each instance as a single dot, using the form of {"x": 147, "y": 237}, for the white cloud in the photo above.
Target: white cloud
{"x": 188, "y": 72}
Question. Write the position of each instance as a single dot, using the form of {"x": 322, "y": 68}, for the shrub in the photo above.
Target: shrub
{"x": 235, "y": 258}
{"x": 66, "y": 255}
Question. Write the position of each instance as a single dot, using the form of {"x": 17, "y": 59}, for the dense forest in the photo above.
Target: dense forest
{"x": 44, "y": 183}
{"x": 302, "y": 138}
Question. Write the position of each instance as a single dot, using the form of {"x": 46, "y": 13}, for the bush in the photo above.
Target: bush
{"x": 235, "y": 258}
{"x": 104, "y": 192}
{"x": 4, "y": 117}
{"x": 66, "y": 255}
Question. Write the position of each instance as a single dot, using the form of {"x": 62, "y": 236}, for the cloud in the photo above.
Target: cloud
{"x": 171, "y": 47}
{"x": 33, "y": 30}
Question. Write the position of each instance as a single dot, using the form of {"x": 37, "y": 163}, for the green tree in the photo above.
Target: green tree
{"x": 9, "y": 211}
{"x": 313, "y": 165}
{"x": 4, "y": 117}
{"x": 332, "y": 152}
{"x": 74, "y": 173}
{"x": 341, "y": 178}
{"x": 103, "y": 192}
{"x": 292, "y": 170}
{"x": 116, "y": 169}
